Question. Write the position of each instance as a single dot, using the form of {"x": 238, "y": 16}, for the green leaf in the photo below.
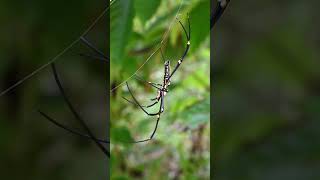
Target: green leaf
{"x": 197, "y": 114}
{"x": 145, "y": 9}
{"x": 121, "y": 16}
{"x": 199, "y": 17}
{"x": 121, "y": 135}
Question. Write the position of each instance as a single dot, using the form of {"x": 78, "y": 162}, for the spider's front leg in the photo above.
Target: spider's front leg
{"x": 188, "y": 35}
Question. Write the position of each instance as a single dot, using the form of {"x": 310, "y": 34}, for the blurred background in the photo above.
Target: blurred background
{"x": 180, "y": 148}
{"x": 266, "y": 91}
{"x": 31, "y": 33}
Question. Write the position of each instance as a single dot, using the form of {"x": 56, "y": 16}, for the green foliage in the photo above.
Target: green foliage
{"x": 31, "y": 33}
{"x": 145, "y": 9}
{"x": 197, "y": 113}
{"x": 121, "y": 14}
{"x": 180, "y": 148}
{"x": 198, "y": 19}
{"x": 121, "y": 134}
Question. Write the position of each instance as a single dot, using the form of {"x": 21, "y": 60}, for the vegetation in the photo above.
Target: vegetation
{"x": 32, "y": 148}
{"x": 266, "y": 76}
{"x": 180, "y": 149}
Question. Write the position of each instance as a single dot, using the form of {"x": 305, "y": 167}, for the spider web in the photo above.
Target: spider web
{"x": 163, "y": 40}
{"x": 55, "y": 58}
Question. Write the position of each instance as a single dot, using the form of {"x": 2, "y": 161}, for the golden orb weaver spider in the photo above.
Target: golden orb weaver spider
{"x": 162, "y": 90}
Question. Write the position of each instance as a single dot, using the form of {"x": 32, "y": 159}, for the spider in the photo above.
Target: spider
{"x": 162, "y": 89}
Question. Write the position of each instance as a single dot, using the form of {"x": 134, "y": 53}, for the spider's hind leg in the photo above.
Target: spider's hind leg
{"x": 156, "y": 126}
{"x": 145, "y": 106}
{"x": 135, "y": 101}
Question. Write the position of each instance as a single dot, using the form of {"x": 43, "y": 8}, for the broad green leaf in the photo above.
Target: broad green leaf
{"x": 161, "y": 20}
{"x": 121, "y": 134}
{"x": 197, "y": 114}
{"x": 121, "y": 15}
{"x": 145, "y": 9}
{"x": 199, "y": 17}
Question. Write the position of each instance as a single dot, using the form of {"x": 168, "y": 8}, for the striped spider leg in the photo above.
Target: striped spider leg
{"x": 162, "y": 88}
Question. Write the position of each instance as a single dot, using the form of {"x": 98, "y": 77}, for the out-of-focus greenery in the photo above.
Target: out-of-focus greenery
{"x": 32, "y": 32}
{"x": 266, "y": 77}
{"x": 180, "y": 148}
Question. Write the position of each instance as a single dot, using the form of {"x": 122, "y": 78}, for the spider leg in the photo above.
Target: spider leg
{"x": 92, "y": 47}
{"x": 188, "y": 35}
{"x": 156, "y": 102}
{"x": 93, "y": 57}
{"x": 156, "y": 127}
{"x": 145, "y": 106}
{"x": 69, "y": 129}
{"x": 158, "y": 118}
{"x": 153, "y": 99}
{"x": 221, "y": 6}
{"x": 132, "y": 102}
{"x": 157, "y": 122}
{"x": 150, "y": 83}
{"x": 55, "y": 122}
{"x": 138, "y": 104}
{"x": 75, "y": 113}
